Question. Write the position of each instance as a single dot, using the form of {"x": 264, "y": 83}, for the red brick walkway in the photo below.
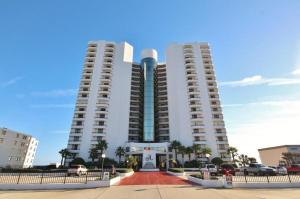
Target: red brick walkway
{"x": 147, "y": 178}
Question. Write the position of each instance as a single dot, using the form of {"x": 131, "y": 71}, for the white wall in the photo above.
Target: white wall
{"x": 206, "y": 107}
{"x": 179, "y": 110}
{"x": 85, "y": 144}
{"x": 119, "y": 105}
{"x": 179, "y": 116}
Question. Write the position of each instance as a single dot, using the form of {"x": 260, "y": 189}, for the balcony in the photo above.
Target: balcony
{"x": 200, "y": 141}
{"x": 81, "y": 101}
{"x": 71, "y": 141}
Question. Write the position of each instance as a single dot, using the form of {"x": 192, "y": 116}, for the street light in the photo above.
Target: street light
{"x": 103, "y": 157}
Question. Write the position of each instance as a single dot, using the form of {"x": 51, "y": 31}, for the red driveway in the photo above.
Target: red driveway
{"x": 144, "y": 178}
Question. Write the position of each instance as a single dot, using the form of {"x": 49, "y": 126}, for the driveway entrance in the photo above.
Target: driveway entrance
{"x": 152, "y": 178}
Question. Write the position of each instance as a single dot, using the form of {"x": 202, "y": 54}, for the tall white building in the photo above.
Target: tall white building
{"x": 17, "y": 150}
{"x": 145, "y": 105}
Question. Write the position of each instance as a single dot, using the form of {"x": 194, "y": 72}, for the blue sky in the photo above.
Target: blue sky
{"x": 255, "y": 45}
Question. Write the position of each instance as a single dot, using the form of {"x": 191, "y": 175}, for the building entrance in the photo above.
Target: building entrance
{"x": 154, "y": 155}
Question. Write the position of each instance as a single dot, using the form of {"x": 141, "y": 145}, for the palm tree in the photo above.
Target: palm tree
{"x": 64, "y": 154}
{"x": 252, "y": 160}
{"x": 101, "y": 146}
{"x": 290, "y": 158}
{"x": 217, "y": 161}
{"x": 120, "y": 151}
{"x": 189, "y": 151}
{"x": 181, "y": 150}
{"x": 206, "y": 152}
{"x": 175, "y": 146}
{"x": 244, "y": 160}
{"x": 196, "y": 149}
{"x": 93, "y": 154}
{"x": 232, "y": 151}
{"x": 131, "y": 161}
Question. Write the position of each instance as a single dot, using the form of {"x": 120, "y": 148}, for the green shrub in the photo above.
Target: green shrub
{"x": 77, "y": 161}
{"x": 124, "y": 170}
{"x": 192, "y": 164}
{"x": 176, "y": 170}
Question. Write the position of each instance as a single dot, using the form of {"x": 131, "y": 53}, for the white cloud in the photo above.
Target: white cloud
{"x": 286, "y": 103}
{"x": 259, "y": 80}
{"x": 296, "y": 72}
{"x": 273, "y": 123}
{"x": 52, "y": 106}
{"x": 11, "y": 82}
{"x": 55, "y": 93}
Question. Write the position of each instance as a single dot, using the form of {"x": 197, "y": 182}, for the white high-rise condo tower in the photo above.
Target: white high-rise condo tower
{"x": 143, "y": 106}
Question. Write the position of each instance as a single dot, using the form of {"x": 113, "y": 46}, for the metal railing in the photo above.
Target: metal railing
{"x": 51, "y": 177}
{"x": 266, "y": 179}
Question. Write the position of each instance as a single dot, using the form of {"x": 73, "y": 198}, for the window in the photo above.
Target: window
{"x": 76, "y": 138}
{"x": 219, "y": 131}
{"x": 1, "y": 140}
{"x": 17, "y": 136}
{"x": 81, "y": 109}
{"x": 223, "y": 155}
{"x": 3, "y": 132}
{"x": 77, "y": 130}
{"x": 24, "y": 137}
{"x": 79, "y": 123}
{"x": 80, "y": 116}
{"x": 215, "y": 109}
{"x": 216, "y": 116}
{"x": 220, "y": 138}
{"x": 84, "y": 95}
{"x": 99, "y": 131}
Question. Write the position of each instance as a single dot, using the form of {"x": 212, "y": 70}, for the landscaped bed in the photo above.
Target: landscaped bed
{"x": 176, "y": 171}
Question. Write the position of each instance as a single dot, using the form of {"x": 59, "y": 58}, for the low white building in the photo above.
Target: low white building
{"x": 17, "y": 150}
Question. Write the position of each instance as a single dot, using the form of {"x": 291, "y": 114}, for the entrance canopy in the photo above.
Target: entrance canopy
{"x": 149, "y": 152}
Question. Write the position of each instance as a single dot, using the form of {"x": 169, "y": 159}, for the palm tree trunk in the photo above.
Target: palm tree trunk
{"x": 119, "y": 159}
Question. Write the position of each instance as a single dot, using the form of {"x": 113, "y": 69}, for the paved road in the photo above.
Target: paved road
{"x": 153, "y": 178}
{"x": 155, "y": 192}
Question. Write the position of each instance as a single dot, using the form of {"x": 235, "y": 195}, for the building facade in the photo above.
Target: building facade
{"x": 145, "y": 105}
{"x": 17, "y": 150}
{"x": 272, "y": 156}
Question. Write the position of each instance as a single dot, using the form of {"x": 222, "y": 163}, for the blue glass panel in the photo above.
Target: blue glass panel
{"x": 148, "y": 64}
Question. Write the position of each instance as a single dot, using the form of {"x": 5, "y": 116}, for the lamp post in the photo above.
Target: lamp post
{"x": 103, "y": 157}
